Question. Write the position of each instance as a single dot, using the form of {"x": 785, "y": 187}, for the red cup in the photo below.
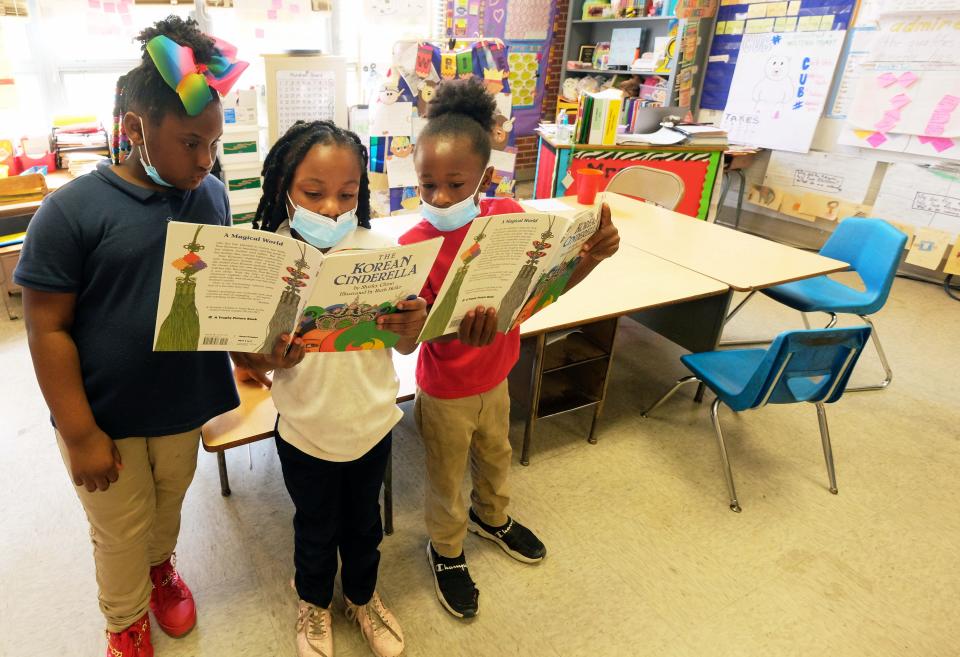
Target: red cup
{"x": 588, "y": 184}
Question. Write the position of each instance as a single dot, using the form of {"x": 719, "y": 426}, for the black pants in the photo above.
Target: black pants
{"x": 337, "y": 508}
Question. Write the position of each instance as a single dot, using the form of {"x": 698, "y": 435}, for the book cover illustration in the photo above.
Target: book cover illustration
{"x": 500, "y": 261}
{"x": 180, "y": 331}
{"x": 553, "y": 282}
{"x": 257, "y": 285}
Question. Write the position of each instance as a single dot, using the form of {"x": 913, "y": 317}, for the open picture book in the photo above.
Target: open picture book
{"x": 518, "y": 263}
{"x": 230, "y": 289}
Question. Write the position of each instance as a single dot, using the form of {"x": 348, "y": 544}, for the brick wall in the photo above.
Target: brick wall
{"x": 527, "y": 146}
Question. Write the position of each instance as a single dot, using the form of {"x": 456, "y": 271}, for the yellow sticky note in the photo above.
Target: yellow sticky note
{"x": 757, "y": 11}
{"x": 721, "y": 27}
{"x": 776, "y": 9}
{"x": 808, "y": 24}
{"x": 952, "y": 265}
{"x": 727, "y": 3}
{"x": 826, "y": 22}
{"x": 760, "y": 26}
{"x": 735, "y": 27}
{"x": 793, "y": 8}
{"x": 785, "y": 24}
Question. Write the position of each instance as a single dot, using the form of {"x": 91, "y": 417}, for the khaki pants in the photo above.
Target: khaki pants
{"x": 455, "y": 431}
{"x": 134, "y": 524}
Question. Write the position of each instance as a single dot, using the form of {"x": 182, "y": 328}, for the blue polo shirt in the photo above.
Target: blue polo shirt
{"x": 102, "y": 238}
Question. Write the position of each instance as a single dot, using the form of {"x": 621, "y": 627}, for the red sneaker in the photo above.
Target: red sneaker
{"x": 132, "y": 642}
{"x": 171, "y": 601}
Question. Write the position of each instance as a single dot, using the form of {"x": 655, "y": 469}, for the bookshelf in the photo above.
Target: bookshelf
{"x": 683, "y": 72}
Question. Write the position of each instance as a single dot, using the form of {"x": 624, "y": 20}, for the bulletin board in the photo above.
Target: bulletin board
{"x": 398, "y": 114}
{"x": 736, "y": 20}
{"x": 526, "y": 27}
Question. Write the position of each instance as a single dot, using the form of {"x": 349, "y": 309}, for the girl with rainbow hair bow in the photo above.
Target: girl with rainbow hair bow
{"x": 127, "y": 418}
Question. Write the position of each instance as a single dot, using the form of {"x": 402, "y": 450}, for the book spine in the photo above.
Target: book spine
{"x": 597, "y": 122}
{"x": 612, "y": 121}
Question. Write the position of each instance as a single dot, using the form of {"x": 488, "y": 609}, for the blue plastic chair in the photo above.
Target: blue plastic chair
{"x": 873, "y": 249}
{"x": 799, "y": 366}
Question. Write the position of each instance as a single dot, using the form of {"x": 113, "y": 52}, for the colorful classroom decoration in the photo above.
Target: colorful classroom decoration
{"x": 398, "y": 114}
{"x": 906, "y": 96}
{"x": 526, "y": 28}
{"x": 736, "y": 21}
{"x": 779, "y": 88}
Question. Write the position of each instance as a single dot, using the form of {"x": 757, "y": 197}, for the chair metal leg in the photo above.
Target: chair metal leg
{"x": 806, "y": 322}
{"x": 715, "y": 416}
{"x": 827, "y": 450}
{"x": 388, "y": 496}
{"x": 832, "y": 322}
{"x": 883, "y": 361}
{"x": 222, "y": 469}
{"x": 743, "y": 186}
{"x": 679, "y": 384}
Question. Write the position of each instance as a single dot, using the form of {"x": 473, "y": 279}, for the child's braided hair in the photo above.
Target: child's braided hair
{"x": 287, "y": 154}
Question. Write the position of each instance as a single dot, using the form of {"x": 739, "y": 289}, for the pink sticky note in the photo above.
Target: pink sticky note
{"x": 948, "y": 102}
{"x": 939, "y": 144}
{"x": 127, "y": 19}
{"x": 876, "y": 139}
{"x": 93, "y": 4}
{"x": 294, "y": 8}
{"x": 934, "y": 129}
{"x": 276, "y": 4}
{"x": 900, "y": 101}
{"x": 907, "y": 79}
{"x": 886, "y": 79}
{"x": 258, "y": 33}
{"x": 271, "y": 14}
{"x": 110, "y": 7}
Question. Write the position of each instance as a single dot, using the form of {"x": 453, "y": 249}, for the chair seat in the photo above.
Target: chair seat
{"x": 822, "y": 294}
{"x": 726, "y": 372}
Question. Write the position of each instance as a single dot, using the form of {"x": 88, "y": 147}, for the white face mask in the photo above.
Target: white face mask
{"x": 319, "y": 230}
{"x": 453, "y": 217}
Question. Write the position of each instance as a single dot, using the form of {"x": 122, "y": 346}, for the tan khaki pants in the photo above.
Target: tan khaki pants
{"x": 455, "y": 431}
{"x": 134, "y": 524}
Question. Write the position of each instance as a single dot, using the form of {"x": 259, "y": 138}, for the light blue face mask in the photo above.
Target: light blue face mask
{"x": 454, "y": 217}
{"x": 148, "y": 168}
{"x": 320, "y": 231}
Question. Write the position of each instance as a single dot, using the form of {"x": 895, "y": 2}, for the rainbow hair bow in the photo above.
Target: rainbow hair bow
{"x": 193, "y": 81}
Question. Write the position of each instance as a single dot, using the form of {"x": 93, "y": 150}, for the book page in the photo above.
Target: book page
{"x": 498, "y": 262}
{"x": 553, "y": 282}
{"x": 356, "y": 287}
{"x": 230, "y": 289}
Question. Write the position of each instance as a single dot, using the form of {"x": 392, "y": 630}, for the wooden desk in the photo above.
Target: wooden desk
{"x": 744, "y": 262}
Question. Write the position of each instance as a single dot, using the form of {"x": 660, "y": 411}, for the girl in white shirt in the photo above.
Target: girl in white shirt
{"x": 336, "y": 410}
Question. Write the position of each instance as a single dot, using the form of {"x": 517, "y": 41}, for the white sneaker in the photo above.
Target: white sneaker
{"x": 378, "y": 625}
{"x": 314, "y": 631}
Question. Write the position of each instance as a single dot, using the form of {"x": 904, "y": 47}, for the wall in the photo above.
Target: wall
{"x": 527, "y": 146}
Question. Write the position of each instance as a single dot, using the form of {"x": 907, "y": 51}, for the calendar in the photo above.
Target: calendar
{"x": 306, "y": 96}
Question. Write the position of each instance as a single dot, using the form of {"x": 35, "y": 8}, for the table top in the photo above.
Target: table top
{"x": 54, "y": 181}
{"x": 742, "y": 261}
{"x": 253, "y": 420}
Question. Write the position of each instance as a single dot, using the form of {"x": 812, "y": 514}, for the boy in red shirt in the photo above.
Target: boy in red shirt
{"x": 463, "y": 405}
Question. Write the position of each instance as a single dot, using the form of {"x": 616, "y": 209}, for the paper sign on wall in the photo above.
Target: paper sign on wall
{"x": 826, "y": 174}
{"x": 779, "y": 88}
{"x": 390, "y": 118}
{"x": 922, "y": 196}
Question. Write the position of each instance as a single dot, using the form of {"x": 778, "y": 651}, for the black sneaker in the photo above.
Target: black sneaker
{"x": 455, "y": 590}
{"x": 515, "y": 539}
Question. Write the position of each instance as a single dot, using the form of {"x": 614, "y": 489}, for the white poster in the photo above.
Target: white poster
{"x": 306, "y": 96}
{"x": 829, "y": 174}
{"x": 857, "y": 49}
{"x": 390, "y": 118}
{"x": 922, "y": 196}
{"x": 779, "y": 88}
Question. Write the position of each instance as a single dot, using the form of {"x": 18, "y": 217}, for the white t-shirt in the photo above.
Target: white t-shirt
{"x": 337, "y": 406}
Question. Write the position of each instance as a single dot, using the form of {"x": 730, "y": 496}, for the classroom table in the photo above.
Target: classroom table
{"x": 673, "y": 274}
{"x": 744, "y": 262}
